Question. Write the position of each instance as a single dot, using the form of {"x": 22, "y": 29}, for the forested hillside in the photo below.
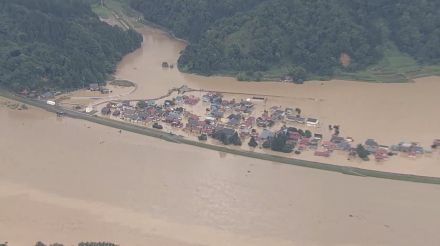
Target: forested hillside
{"x": 57, "y": 44}
{"x": 298, "y": 37}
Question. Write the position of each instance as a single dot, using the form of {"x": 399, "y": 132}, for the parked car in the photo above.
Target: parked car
{"x": 157, "y": 126}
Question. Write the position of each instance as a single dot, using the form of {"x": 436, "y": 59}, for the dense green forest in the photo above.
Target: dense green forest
{"x": 298, "y": 37}
{"x": 58, "y": 44}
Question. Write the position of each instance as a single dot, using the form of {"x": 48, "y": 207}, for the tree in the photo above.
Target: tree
{"x": 58, "y": 44}
{"x": 362, "y": 152}
{"x": 266, "y": 144}
{"x": 299, "y": 37}
{"x": 298, "y": 73}
{"x": 142, "y": 104}
{"x": 235, "y": 139}
{"x": 287, "y": 148}
{"x": 279, "y": 141}
{"x": 252, "y": 142}
{"x": 308, "y": 134}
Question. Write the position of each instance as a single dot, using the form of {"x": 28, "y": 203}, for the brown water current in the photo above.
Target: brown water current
{"x": 66, "y": 180}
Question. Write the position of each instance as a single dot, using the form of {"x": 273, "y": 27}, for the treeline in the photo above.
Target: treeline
{"x": 190, "y": 19}
{"x": 58, "y": 44}
{"x": 299, "y": 37}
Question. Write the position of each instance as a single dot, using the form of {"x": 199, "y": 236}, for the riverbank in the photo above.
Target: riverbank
{"x": 176, "y": 139}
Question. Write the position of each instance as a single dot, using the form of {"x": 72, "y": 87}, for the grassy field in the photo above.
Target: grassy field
{"x": 101, "y": 11}
{"x": 120, "y": 11}
{"x": 394, "y": 67}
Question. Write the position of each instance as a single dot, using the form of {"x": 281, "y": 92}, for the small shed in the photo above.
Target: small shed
{"x": 47, "y": 95}
{"x": 94, "y": 87}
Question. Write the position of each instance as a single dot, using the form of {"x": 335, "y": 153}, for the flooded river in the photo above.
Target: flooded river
{"x": 66, "y": 180}
{"x": 389, "y": 113}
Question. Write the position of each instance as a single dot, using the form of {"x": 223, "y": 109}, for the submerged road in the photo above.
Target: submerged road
{"x": 178, "y": 139}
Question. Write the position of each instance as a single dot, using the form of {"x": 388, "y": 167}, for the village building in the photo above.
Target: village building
{"x": 287, "y": 79}
{"x": 318, "y": 136}
{"x": 312, "y": 122}
{"x": 94, "y": 87}
{"x": 296, "y": 119}
{"x": 266, "y": 134}
{"x": 234, "y": 120}
{"x": 371, "y": 145}
{"x": 289, "y": 111}
{"x": 116, "y": 113}
{"x": 47, "y": 95}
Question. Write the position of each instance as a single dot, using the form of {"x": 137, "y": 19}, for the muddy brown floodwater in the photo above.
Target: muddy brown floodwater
{"x": 66, "y": 180}
{"x": 389, "y": 113}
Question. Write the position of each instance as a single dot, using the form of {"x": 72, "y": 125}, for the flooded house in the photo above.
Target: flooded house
{"x": 94, "y": 87}
{"x": 412, "y": 149}
{"x": 116, "y": 113}
{"x": 287, "y": 79}
{"x": 190, "y": 100}
{"x": 105, "y": 91}
{"x": 234, "y": 120}
{"x": 289, "y": 111}
{"x": 371, "y": 145}
{"x": 264, "y": 122}
{"x": 172, "y": 117}
{"x": 266, "y": 134}
{"x": 296, "y": 119}
{"x": 47, "y": 95}
{"x": 318, "y": 136}
{"x": 312, "y": 122}
{"x": 213, "y": 97}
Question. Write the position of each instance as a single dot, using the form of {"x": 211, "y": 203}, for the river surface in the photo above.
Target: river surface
{"x": 66, "y": 180}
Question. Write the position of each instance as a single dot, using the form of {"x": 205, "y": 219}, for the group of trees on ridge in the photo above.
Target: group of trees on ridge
{"x": 58, "y": 44}
{"x": 254, "y": 36}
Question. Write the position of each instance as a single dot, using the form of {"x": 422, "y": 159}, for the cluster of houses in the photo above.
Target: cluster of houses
{"x": 48, "y": 95}
{"x": 227, "y": 120}
{"x": 97, "y": 87}
{"x": 371, "y": 147}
